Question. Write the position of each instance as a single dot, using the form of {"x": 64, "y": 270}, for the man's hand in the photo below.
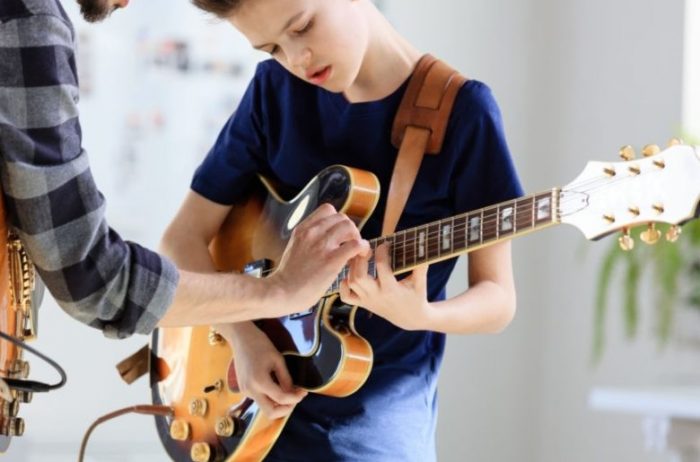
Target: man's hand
{"x": 318, "y": 250}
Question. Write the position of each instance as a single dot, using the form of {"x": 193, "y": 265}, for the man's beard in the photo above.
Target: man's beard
{"x": 94, "y": 10}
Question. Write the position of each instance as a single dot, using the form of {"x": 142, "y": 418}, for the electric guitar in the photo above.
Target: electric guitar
{"x": 192, "y": 370}
{"x": 17, "y": 324}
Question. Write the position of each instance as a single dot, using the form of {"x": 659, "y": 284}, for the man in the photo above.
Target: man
{"x": 57, "y": 211}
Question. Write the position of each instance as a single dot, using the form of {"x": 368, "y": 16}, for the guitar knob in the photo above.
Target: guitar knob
{"x": 215, "y": 338}
{"x": 626, "y": 242}
{"x": 24, "y": 396}
{"x": 627, "y": 152}
{"x": 14, "y": 426}
{"x": 225, "y": 426}
{"x": 10, "y": 408}
{"x": 19, "y": 369}
{"x": 198, "y": 407}
{"x": 650, "y": 150}
{"x": 651, "y": 235}
{"x": 200, "y": 452}
{"x": 673, "y": 233}
{"x": 179, "y": 430}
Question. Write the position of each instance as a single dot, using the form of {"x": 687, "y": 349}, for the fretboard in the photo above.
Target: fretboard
{"x": 450, "y": 237}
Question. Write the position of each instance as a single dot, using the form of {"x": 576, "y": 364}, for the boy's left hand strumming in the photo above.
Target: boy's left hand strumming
{"x": 404, "y": 303}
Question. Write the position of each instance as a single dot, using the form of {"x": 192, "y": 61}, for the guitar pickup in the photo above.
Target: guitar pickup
{"x": 301, "y": 314}
{"x": 258, "y": 268}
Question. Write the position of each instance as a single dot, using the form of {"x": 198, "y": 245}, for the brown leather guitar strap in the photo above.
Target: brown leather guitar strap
{"x": 419, "y": 128}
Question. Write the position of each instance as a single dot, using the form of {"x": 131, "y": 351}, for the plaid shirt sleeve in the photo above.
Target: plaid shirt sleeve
{"x": 52, "y": 200}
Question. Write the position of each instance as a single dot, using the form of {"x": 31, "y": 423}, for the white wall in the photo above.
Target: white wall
{"x": 575, "y": 80}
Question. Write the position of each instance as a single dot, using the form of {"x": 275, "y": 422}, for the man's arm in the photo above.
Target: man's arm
{"x": 319, "y": 248}
{"x": 52, "y": 200}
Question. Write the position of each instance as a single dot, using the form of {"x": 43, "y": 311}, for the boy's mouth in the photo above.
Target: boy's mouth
{"x": 320, "y": 76}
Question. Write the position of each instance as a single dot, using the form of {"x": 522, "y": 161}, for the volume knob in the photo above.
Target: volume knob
{"x": 200, "y": 452}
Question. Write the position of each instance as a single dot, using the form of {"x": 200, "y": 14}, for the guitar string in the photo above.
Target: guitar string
{"x": 490, "y": 221}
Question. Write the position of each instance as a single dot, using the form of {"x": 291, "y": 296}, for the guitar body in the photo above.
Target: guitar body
{"x": 192, "y": 368}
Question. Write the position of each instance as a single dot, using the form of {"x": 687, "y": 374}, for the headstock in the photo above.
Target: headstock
{"x": 663, "y": 186}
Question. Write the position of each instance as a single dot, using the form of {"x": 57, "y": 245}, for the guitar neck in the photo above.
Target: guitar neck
{"x": 453, "y": 236}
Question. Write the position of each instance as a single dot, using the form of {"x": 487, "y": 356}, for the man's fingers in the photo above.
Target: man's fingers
{"x": 322, "y": 211}
{"x": 349, "y": 250}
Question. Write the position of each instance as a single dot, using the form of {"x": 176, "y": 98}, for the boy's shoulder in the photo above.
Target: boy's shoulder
{"x": 475, "y": 97}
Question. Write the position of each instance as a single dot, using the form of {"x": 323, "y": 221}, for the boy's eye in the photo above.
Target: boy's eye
{"x": 306, "y": 27}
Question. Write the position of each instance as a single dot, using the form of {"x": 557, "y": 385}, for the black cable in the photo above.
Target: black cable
{"x": 31, "y": 385}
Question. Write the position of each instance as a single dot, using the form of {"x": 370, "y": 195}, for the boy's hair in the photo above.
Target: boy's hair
{"x": 220, "y": 8}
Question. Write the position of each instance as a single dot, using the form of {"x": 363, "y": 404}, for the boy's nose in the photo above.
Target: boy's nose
{"x": 302, "y": 59}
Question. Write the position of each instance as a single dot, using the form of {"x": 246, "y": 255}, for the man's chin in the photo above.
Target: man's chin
{"x": 94, "y": 10}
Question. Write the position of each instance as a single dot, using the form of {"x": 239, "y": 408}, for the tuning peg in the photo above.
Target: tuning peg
{"x": 650, "y": 150}
{"x": 674, "y": 142}
{"x": 673, "y": 233}
{"x": 626, "y": 241}
{"x": 651, "y": 235}
{"x": 627, "y": 152}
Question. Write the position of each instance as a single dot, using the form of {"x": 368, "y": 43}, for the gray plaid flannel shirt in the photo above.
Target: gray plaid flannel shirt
{"x": 51, "y": 198}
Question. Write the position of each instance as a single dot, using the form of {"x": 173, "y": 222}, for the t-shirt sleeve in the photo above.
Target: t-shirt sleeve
{"x": 484, "y": 172}
{"x": 233, "y": 162}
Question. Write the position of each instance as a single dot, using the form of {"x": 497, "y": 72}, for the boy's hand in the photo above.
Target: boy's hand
{"x": 318, "y": 250}
{"x": 404, "y": 303}
{"x": 261, "y": 371}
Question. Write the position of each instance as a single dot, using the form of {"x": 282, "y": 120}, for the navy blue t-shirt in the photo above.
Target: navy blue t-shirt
{"x": 290, "y": 130}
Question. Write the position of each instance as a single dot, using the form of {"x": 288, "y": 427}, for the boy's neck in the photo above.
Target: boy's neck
{"x": 388, "y": 62}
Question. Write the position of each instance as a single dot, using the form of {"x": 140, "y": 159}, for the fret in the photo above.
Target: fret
{"x": 489, "y": 225}
{"x": 410, "y": 247}
{"x": 506, "y": 224}
{"x": 446, "y": 237}
{"x": 524, "y": 209}
{"x": 474, "y": 227}
{"x": 434, "y": 240}
{"x": 459, "y": 238}
{"x": 481, "y": 227}
{"x": 543, "y": 212}
{"x": 421, "y": 249}
{"x": 399, "y": 250}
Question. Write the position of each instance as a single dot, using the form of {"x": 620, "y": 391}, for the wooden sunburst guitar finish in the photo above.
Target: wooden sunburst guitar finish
{"x": 191, "y": 368}
{"x": 192, "y": 365}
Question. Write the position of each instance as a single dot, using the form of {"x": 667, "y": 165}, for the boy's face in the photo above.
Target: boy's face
{"x": 97, "y": 10}
{"x": 320, "y": 41}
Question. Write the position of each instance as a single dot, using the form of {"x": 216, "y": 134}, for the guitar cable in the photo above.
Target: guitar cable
{"x": 32, "y": 385}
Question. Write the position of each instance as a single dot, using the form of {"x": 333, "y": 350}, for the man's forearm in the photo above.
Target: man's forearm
{"x": 217, "y": 298}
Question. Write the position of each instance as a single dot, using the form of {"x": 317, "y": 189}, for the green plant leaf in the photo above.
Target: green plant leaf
{"x": 610, "y": 260}
{"x": 631, "y": 305}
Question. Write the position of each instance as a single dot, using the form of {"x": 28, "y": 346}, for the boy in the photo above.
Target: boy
{"x": 329, "y": 96}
